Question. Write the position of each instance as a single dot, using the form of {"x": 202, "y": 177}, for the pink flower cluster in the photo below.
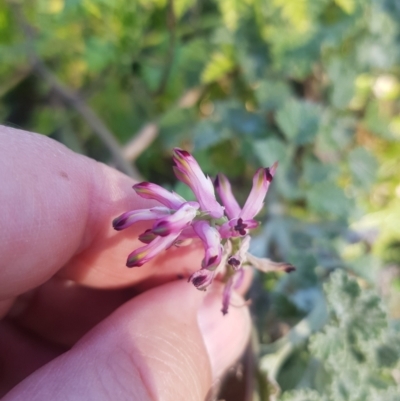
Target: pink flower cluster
{"x": 223, "y": 230}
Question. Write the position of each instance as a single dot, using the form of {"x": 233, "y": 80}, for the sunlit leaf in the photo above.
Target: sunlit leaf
{"x": 346, "y": 5}
{"x": 219, "y": 65}
{"x": 231, "y": 11}
{"x": 181, "y": 6}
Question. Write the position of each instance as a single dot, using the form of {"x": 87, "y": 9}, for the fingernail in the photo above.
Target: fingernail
{"x": 225, "y": 337}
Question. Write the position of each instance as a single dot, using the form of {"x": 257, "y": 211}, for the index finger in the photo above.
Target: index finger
{"x": 57, "y": 209}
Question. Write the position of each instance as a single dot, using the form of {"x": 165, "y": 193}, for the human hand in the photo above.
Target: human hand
{"x": 85, "y": 326}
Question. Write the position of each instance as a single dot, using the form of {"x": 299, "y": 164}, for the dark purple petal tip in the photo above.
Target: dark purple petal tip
{"x": 141, "y": 185}
{"x": 212, "y": 260}
{"x": 290, "y": 269}
{"x": 202, "y": 279}
{"x": 182, "y": 152}
{"x": 147, "y": 236}
{"x": 134, "y": 263}
{"x": 268, "y": 174}
{"x": 233, "y": 262}
{"x": 199, "y": 281}
{"x": 161, "y": 229}
{"x": 119, "y": 223}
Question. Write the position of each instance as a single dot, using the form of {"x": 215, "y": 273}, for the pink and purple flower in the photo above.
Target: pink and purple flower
{"x": 222, "y": 229}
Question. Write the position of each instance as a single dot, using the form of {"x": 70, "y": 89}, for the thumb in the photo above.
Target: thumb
{"x": 169, "y": 343}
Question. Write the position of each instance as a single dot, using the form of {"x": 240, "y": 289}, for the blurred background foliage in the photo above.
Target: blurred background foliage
{"x": 314, "y": 84}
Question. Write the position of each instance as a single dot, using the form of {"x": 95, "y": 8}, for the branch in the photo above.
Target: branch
{"x": 140, "y": 142}
{"x": 171, "y": 23}
{"x": 95, "y": 123}
{"x": 143, "y": 138}
{"x": 75, "y": 101}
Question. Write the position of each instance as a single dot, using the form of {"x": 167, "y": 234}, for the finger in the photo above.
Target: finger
{"x": 163, "y": 345}
{"x": 56, "y": 204}
{"x": 103, "y": 263}
{"x": 61, "y": 311}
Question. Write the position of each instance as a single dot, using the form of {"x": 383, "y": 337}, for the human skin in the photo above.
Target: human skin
{"x": 78, "y": 324}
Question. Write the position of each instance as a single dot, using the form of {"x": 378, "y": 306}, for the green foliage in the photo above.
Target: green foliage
{"x": 299, "y": 121}
{"x": 326, "y": 198}
{"x": 358, "y": 348}
{"x": 363, "y": 167}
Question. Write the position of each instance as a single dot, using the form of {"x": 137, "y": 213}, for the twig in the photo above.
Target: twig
{"x": 75, "y": 101}
{"x": 98, "y": 127}
{"x": 171, "y": 23}
{"x": 146, "y": 135}
{"x": 190, "y": 97}
{"x": 140, "y": 142}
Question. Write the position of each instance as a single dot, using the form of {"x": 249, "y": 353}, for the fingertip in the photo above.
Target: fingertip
{"x": 225, "y": 336}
